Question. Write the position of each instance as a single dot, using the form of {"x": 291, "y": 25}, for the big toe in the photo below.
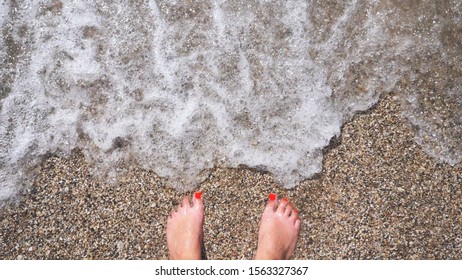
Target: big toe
{"x": 197, "y": 200}
{"x": 272, "y": 202}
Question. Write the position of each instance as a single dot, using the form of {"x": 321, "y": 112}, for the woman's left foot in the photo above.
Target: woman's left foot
{"x": 184, "y": 230}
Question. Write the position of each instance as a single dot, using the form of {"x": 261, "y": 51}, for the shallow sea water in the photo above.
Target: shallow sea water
{"x": 179, "y": 87}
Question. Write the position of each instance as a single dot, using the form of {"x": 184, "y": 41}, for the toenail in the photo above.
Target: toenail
{"x": 198, "y": 195}
{"x": 295, "y": 210}
{"x": 272, "y": 196}
{"x": 284, "y": 199}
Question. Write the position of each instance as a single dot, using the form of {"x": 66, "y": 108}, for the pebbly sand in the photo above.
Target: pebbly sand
{"x": 379, "y": 197}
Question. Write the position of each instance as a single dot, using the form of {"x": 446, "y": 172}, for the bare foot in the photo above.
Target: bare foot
{"x": 278, "y": 234}
{"x": 184, "y": 230}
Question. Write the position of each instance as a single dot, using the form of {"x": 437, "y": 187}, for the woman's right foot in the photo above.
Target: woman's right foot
{"x": 278, "y": 233}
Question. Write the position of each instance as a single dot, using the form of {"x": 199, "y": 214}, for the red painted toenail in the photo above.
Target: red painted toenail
{"x": 296, "y": 211}
{"x": 272, "y": 196}
{"x": 198, "y": 195}
{"x": 284, "y": 199}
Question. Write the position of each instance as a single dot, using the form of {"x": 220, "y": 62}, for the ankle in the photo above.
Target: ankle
{"x": 186, "y": 256}
{"x": 268, "y": 255}
{"x": 264, "y": 257}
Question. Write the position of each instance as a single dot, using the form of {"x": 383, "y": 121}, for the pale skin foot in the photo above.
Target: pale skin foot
{"x": 184, "y": 229}
{"x": 278, "y": 233}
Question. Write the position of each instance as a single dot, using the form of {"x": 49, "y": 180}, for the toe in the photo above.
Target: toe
{"x": 197, "y": 200}
{"x": 288, "y": 210}
{"x": 175, "y": 210}
{"x": 294, "y": 215}
{"x": 171, "y": 215}
{"x": 272, "y": 202}
{"x": 185, "y": 202}
{"x": 282, "y": 206}
{"x": 297, "y": 224}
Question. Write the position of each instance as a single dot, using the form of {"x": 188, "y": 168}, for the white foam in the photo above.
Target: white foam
{"x": 180, "y": 88}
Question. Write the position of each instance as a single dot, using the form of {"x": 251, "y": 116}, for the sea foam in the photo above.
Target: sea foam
{"x": 180, "y": 87}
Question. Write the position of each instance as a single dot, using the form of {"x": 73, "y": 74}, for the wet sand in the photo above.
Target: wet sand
{"x": 379, "y": 197}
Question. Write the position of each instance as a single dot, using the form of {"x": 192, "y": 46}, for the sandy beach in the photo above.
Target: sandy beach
{"x": 379, "y": 196}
